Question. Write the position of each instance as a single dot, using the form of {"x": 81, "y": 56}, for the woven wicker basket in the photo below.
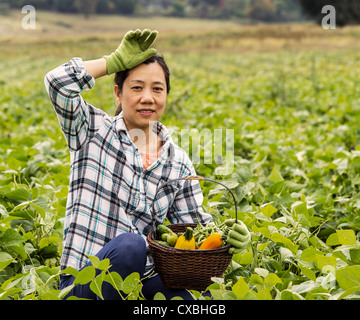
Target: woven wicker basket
{"x": 188, "y": 269}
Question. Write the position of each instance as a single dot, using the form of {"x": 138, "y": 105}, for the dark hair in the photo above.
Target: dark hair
{"x": 121, "y": 76}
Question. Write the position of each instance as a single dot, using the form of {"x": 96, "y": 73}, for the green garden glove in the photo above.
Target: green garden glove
{"x": 132, "y": 51}
{"x": 239, "y": 236}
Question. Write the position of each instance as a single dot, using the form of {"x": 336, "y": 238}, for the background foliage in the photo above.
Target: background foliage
{"x": 291, "y": 94}
{"x": 266, "y": 10}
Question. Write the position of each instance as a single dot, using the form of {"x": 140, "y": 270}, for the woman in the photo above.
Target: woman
{"x": 118, "y": 163}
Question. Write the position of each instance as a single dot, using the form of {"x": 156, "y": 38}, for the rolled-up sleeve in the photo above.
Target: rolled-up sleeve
{"x": 64, "y": 85}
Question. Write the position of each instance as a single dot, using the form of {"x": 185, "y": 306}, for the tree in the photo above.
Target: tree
{"x": 86, "y": 7}
{"x": 263, "y": 10}
{"x": 347, "y": 11}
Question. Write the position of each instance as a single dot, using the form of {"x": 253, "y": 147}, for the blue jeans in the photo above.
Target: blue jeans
{"x": 127, "y": 254}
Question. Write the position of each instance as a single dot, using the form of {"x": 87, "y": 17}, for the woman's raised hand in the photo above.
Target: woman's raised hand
{"x": 133, "y": 50}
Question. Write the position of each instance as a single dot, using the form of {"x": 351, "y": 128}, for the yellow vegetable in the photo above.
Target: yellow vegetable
{"x": 187, "y": 240}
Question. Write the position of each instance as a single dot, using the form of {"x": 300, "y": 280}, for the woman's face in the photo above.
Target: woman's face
{"x": 143, "y": 96}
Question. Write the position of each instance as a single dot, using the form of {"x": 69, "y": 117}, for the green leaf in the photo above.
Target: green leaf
{"x": 11, "y": 238}
{"x": 5, "y": 260}
{"x": 246, "y": 258}
{"x": 96, "y": 285}
{"x": 71, "y": 271}
{"x": 349, "y": 292}
{"x": 256, "y": 279}
{"x": 323, "y": 261}
{"x": 20, "y": 194}
{"x": 268, "y": 210}
{"x": 240, "y": 288}
{"x": 130, "y": 282}
{"x": 309, "y": 254}
{"x": 40, "y": 206}
{"x": 275, "y": 175}
{"x": 278, "y": 237}
{"x": 101, "y": 265}
{"x": 263, "y": 294}
{"x": 333, "y": 239}
{"x": 276, "y": 187}
{"x": 308, "y": 273}
{"x": 355, "y": 255}
{"x": 114, "y": 279}
{"x": 85, "y": 275}
{"x": 289, "y": 295}
{"x": 346, "y": 237}
{"x": 159, "y": 296}
{"x": 94, "y": 260}
{"x": 243, "y": 174}
{"x": 272, "y": 279}
{"x": 348, "y": 277}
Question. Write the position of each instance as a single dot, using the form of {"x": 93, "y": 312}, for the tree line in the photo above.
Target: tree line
{"x": 347, "y": 11}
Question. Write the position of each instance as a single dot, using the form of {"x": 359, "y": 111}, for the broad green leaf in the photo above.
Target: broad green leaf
{"x": 268, "y": 210}
{"x": 101, "y": 265}
{"x": 246, "y": 258}
{"x": 348, "y": 277}
{"x": 65, "y": 291}
{"x": 114, "y": 279}
{"x": 308, "y": 273}
{"x": 5, "y": 260}
{"x": 131, "y": 282}
{"x": 262, "y": 272}
{"x": 159, "y": 296}
{"x": 301, "y": 209}
{"x": 263, "y": 294}
{"x": 243, "y": 174}
{"x": 349, "y": 292}
{"x": 272, "y": 279}
{"x": 94, "y": 260}
{"x": 256, "y": 279}
{"x": 11, "y": 238}
{"x": 275, "y": 175}
{"x": 85, "y": 275}
{"x": 278, "y": 237}
{"x": 289, "y": 295}
{"x": 346, "y": 237}
{"x": 355, "y": 255}
{"x": 285, "y": 253}
{"x": 333, "y": 239}
{"x": 276, "y": 187}
{"x": 230, "y": 295}
{"x": 265, "y": 232}
{"x": 309, "y": 254}
{"x": 40, "y": 206}
{"x": 240, "y": 288}
{"x": 96, "y": 285}
{"x": 71, "y": 271}
{"x": 323, "y": 261}
{"x": 20, "y": 194}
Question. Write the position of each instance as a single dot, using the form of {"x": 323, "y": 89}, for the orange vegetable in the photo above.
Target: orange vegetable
{"x": 213, "y": 241}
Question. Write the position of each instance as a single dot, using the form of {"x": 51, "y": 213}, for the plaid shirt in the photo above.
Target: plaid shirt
{"x": 110, "y": 193}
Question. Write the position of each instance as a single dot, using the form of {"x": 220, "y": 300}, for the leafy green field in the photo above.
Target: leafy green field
{"x": 295, "y": 116}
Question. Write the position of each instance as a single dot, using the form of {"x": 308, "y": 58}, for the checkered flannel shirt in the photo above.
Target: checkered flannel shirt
{"x": 109, "y": 192}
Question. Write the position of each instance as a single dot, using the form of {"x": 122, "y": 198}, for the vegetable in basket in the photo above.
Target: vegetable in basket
{"x": 187, "y": 240}
{"x": 161, "y": 229}
{"x": 213, "y": 241}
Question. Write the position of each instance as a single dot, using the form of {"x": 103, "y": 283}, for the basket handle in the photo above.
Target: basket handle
{"x": 192, "y": 178}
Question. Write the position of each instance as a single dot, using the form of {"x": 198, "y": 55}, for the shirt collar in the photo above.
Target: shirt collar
{"x": 158, "y": 127}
